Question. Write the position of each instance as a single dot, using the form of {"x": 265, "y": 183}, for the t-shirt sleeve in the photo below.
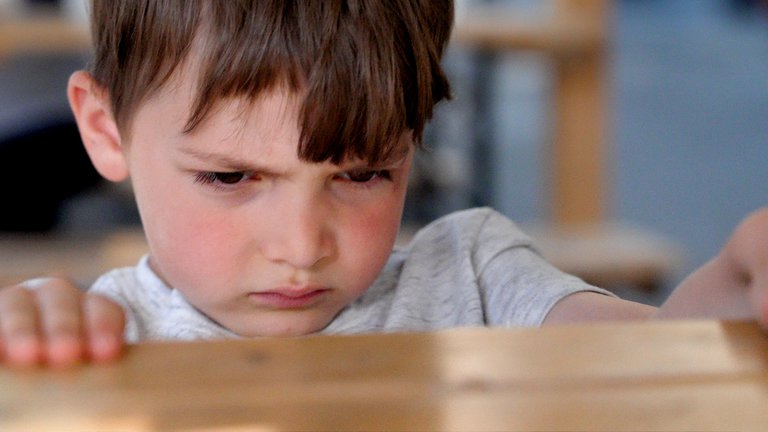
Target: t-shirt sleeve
{"x": 517, "y": 285}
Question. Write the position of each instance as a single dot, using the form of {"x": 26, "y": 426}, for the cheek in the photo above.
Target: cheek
{"x": 367, "y": 239}
{"x": 191, "y": 243}
{"x": 183, "y": 230}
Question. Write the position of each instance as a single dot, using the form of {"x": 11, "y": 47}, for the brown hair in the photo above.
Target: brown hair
{"x": 369, "y": 70}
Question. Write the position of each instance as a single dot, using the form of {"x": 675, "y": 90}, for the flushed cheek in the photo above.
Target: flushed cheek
{"x": 196, "y": 250}
{"x": 367, "y": 244}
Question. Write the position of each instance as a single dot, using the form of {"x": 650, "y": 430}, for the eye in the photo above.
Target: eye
{"x": 365, "y": 176}
{"x": 221, "y": 178}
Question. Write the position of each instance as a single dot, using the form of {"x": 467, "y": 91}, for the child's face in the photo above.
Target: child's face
{"x": 258, "y": 240}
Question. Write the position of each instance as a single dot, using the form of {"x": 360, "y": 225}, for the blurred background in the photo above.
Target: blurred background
{"x": 628, "y": 136}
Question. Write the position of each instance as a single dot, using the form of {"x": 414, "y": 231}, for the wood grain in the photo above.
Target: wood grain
{"x": 686, "y": 375}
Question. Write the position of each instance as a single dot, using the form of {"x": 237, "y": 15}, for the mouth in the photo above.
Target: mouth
{"x": 289, "y": 298}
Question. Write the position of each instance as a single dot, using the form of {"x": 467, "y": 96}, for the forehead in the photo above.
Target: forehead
{"x": 235, "y": 126}
{"x": 325, "y": 132}
{"x": 271, "y": 112}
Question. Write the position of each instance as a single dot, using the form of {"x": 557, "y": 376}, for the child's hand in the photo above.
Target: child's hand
{"x": 58, "y": 324}
{"x": 734, "y": 284}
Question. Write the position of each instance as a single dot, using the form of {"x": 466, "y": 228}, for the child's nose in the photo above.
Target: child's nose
{"x": 300, "y": 235}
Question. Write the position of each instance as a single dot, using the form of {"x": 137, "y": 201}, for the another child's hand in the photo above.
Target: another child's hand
{"x": 57, "y": 324}
{"x": 734, "y": 284}
{"x": 747, "y": 253}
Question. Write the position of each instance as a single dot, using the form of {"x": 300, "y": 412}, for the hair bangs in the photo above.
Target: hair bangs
{"x": 367, "y": 71}
{"x": 364, "y": 71}
{"x": 122, "y": 65}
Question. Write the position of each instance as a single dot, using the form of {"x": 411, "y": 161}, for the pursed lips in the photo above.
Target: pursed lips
{"x": 290, "y": 297}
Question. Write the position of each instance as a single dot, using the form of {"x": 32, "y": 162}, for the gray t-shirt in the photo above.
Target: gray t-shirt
{"x": 470, "y": 268}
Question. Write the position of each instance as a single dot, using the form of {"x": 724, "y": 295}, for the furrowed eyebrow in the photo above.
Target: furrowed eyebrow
{"x": 231, "y": 164}
{"x": 361, "y": 165}
{"x": 225, "y": 162}
{"x": 397, "y": 158}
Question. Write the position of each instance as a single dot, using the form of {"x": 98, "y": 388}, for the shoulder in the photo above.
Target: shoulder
{"x": 476, "y": 217}
{"x": 154, "y": 310}
{"x": 122, "y": 285}
{"x": 137, "y": 289}
{"x": 480, "y": 232}
{"x": 116, "y": 282}
{"x": 472, "y": 223}
{"x": 128, "y": 284}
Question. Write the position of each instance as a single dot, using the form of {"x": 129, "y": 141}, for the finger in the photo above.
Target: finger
{"x": 61, "y": 322}
{"x": 759, "y": 299}
{"x": 104, "y": 326}
{"x": 19, "y": 326}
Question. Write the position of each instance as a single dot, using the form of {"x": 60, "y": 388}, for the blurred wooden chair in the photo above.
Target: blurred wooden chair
{"x": 43, "y": 31}
{"x": 580, "y": 237}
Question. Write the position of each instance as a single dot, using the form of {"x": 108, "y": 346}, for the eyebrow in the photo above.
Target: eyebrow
{"x": 362, "y": 164}
{"x": 397, "y": 157}
{"x": 226, "y": 162}
{"x": 236, "y": 165}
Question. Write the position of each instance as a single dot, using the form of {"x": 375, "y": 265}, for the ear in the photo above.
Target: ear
{"x": 98, "y": 130}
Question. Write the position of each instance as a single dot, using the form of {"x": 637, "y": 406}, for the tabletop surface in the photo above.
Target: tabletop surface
{"x": 666, "y": 376}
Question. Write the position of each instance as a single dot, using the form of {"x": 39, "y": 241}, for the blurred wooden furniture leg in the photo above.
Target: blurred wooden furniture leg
{"x": 581, "y": 236}
{"x": 580, "y": 149}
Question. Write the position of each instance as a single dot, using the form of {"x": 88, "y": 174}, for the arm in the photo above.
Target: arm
{"x": 584, "y": 307}
{"x": 733, "y": 285}
{"x": 58, "y": 324}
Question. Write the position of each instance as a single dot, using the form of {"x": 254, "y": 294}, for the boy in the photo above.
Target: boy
{"x": 268, "y": 144}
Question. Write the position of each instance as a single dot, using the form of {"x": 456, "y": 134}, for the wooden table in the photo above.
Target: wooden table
{"x": 668, "y": 376}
